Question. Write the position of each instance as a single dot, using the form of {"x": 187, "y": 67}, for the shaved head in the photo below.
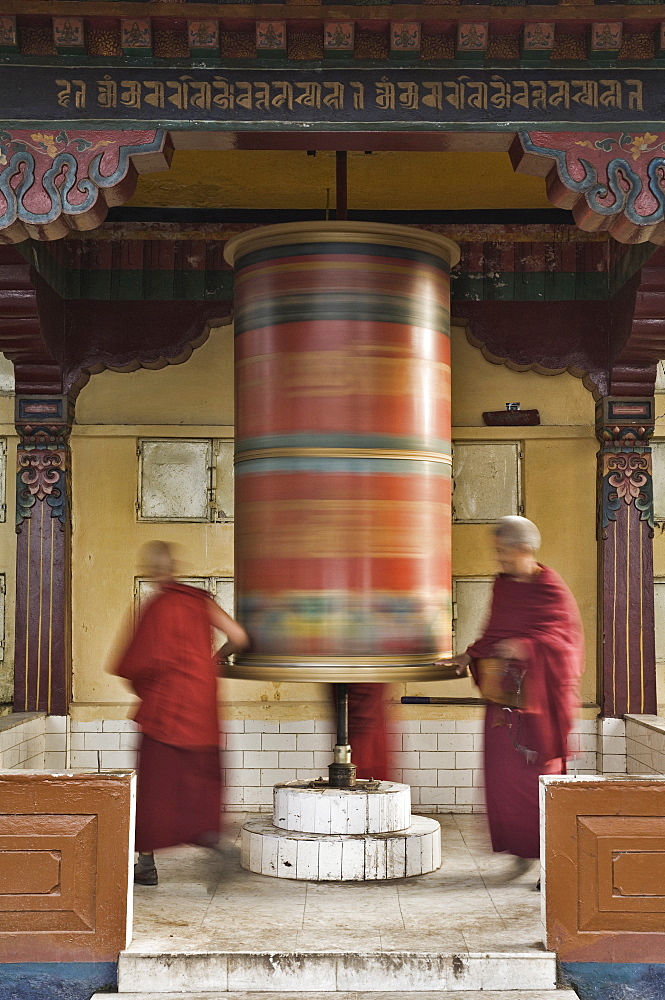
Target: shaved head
{"x": 156, "y": 559}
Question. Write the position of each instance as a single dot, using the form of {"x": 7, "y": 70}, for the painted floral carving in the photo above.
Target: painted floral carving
{"x": 47, "y": 175}
{"x": 41, "y": 477}
{"x": 617, "y": 183}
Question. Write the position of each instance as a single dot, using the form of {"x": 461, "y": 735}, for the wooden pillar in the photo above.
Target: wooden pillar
{"x": 42, "y": 669}
{"x": 627, "y": 662}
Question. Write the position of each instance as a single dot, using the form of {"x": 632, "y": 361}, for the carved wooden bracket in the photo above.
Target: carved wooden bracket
{"x": 609, "y": 180}
{"x": 54, "y": 181}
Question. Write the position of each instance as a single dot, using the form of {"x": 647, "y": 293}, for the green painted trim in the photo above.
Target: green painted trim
{"x": 200, "y": 125}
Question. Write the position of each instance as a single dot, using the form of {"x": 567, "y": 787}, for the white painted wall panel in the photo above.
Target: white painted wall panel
{"x": 471, "y": 603}
{"x": 224, "y": 479}
{"x": 174, "y": 479}
{"x": 486, "y": 478}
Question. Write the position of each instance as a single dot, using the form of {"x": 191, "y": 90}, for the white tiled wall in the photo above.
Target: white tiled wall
{"x": 611, "y": 747}
{"x": 645, "y": 744}
{"x": 440, "y": 759}
{"x": 22, "y": 741}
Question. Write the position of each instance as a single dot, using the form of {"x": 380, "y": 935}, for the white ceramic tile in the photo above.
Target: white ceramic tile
{"x": 437, "y": 726}
{"x": 102, "y": 741}
{"x": 260, "y": 726}
{"x": 353, "y": 859}
{"x": 419, "y": 741}
{"x": 119, "y": 726}
{"x": 242, "y": 776}
{"x": 307, "y": 859}
{"x": 55, "y": 724}
{"x": 314, "y": 741}
{"x": 296, "y": 758}
{"x": 261, "y": 796}
{"x": 375, "y": 859}
{"x": 84, "y": 758}
{"x": 395, "y": 857}
{"x": 287, "y": 852}
{"x": 456, "y": 742}
{"x": 438, "y": 759}
{"x": 232, "y": 726}
{"x": 301, "y": 726}
{"x": 121, "y": 759}
{"x": 269, "y": 856}
{"x": 356, "y": 817}
{"x": 245, "y": 741}
{"x": 277, "y": 741}
{"x": 330, "y": 860}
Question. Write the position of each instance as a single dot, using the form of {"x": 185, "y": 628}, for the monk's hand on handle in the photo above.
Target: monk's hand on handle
{"x": 460, "y": 663}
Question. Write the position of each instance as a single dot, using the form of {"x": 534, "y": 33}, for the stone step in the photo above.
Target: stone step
{"x": 457, "y": 995}
{"x": 337, "y": 972}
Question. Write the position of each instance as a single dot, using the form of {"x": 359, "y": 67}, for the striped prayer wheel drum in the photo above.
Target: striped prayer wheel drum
{"x": 343, "y": 487}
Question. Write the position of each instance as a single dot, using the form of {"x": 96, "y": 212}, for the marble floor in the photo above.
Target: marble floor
{"x": 207, "y": 903}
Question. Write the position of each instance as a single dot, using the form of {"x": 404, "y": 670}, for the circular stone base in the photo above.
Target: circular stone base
{"x": 300, "y": 807}
{"x": 268, "y": 850}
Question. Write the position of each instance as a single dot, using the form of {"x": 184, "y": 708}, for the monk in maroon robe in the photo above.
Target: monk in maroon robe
{"x": 527, "y": 665}
{"x": 170, "y": 665}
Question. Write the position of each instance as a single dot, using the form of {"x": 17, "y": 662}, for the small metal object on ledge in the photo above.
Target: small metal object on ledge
{"x": 511, "y": 418}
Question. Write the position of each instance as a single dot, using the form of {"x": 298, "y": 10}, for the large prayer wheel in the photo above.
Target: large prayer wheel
{"x": 343, "y": 459}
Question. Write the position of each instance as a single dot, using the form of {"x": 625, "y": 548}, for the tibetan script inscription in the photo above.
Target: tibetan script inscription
{"x": 382, "y": 95}
{"x": 408, "y": 95}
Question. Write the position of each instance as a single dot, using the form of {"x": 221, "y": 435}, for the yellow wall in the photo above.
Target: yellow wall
{"x": 256, "y": 179}
{"x": 195, "y": 399}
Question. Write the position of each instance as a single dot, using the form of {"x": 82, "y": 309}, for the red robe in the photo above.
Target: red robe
{"x": 169, "y": 664}
{"x": 367, "y": 730}
{"x": 522, "y": 744}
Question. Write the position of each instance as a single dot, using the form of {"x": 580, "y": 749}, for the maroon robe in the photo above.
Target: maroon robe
{"x": 367, "y": 730}
{"x": 521, "y": 744}
{"x": 170, "y": 665}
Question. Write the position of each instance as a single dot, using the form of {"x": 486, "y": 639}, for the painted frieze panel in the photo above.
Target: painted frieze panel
{"x": 338, "y": 37}
{"x": 8, "y": 34}
{"x": 203, "y": 37}
{"x": 69, "y": 35}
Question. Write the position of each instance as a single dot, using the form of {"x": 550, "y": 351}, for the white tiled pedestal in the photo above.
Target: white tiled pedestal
{"x": 328, "y": 834}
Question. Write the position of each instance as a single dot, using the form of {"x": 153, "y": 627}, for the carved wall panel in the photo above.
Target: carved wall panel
{"x": 605, "y": 869}
{"x": 65, "y": 886}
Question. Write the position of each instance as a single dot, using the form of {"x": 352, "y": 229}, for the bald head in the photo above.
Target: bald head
{"x": 157, "y": 562}
{"x": 517, "y": 533}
